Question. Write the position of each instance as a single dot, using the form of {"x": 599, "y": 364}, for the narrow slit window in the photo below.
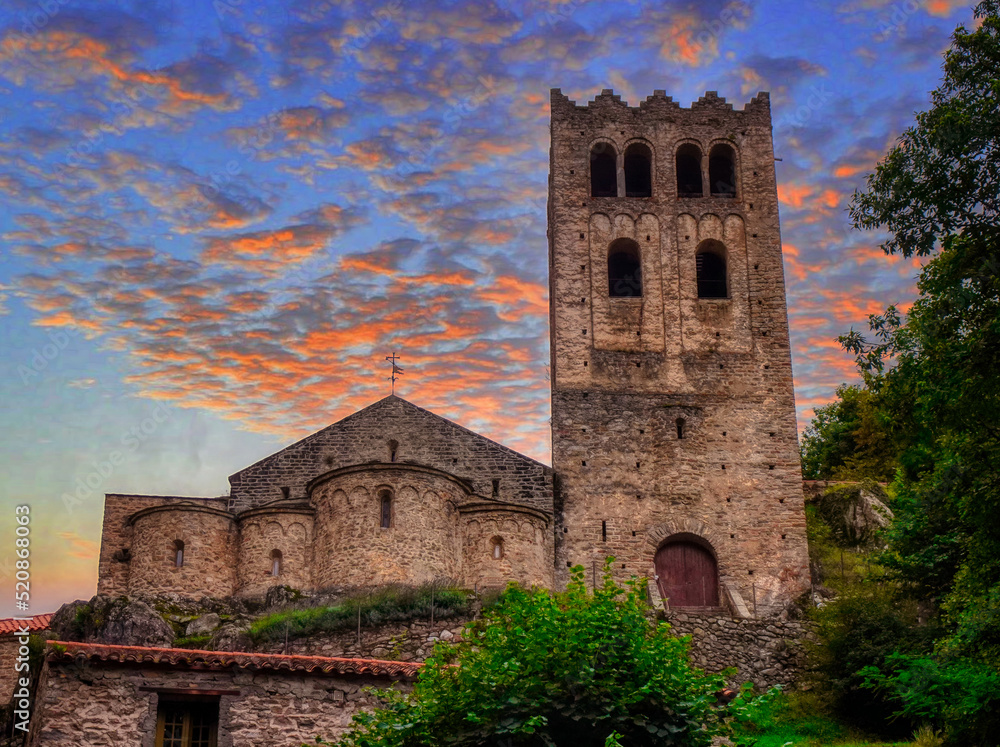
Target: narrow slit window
{"x": 385, "y": 509}
{"x": 276, "y": 562}
{"x": 497, "y": 548}
{"x": 178, "y": 553}
{"x": 393, "y": 449}
{"x": 680, "y": 427}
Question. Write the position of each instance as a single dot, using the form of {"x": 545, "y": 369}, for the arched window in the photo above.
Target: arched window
{"x": 385, "y": 509}
{"x": 711, "y": 264}
{"x": 178, "y": 553}
{"x": 638, "y": 171}
{"x": 722, "y": 171}
{"x": 275, "y": 562}
{"x": 624, "y": 269}
{"x": 393, "y": 448}
{"x": 687, "y": 572}
{"x": 497, "y": 547}
{"x": 689, "y": 171}
{"x": 680, "y": 427}
{"x": 603, "y": 171}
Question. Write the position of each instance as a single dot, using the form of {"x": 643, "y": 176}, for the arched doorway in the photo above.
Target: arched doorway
{"x": 687, "y": 573}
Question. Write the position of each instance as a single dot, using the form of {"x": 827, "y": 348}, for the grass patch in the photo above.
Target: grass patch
{"x": 384, "y": 605}
{"x": 802, "y": 720}
{"x": 199, "y": 642}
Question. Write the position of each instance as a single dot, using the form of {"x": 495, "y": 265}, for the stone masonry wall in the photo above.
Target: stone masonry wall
{"x": 765, "y": 652}
{"x": 422, "y": 544}
{"x": 526, "y": 542}
{"x": 411, "y": 641}
{"x": 262, "y": 531}
{"x": 210, "y": 552}
{"x": 8, "y": 675}
{"x": 421, "y": 437}
{"x": 117, "y": 532}
{"x": 106, "y": 705}
{"x": 625, "y": 370}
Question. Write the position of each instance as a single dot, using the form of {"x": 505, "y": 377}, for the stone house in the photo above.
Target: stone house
{"x": 674, "y": 449}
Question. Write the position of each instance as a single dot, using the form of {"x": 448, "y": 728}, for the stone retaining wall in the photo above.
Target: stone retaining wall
{"x": 401, "y": 642}
{"x": 765, "y": 652}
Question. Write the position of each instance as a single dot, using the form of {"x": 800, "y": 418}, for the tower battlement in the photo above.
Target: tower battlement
{"x": 608, "y": 101}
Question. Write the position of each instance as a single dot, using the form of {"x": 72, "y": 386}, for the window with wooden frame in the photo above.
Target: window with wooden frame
{"x": 187, "y": 724}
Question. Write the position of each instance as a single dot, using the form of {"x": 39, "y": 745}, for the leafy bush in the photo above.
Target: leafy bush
{"x": 862, "y": 628}
{"x": 569, "y": 668}
{"x": 380, "y": 606}
{"x": 962, "y": 697}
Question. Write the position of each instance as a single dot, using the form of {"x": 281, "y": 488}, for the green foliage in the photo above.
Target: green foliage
{"x": 937, "y": 372}
{"x": 850, "y": 439}
{"x": 570, "y": 668}
{"x": 380, "y": 606}
{"x": 797, "y": 718}
{"x": 869, "y": 623}
{"x": 199, "y": 642}
{"x": 961, "y": 696}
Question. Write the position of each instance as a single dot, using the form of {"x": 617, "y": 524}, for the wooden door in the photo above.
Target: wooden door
{"x": 687, "y": 575}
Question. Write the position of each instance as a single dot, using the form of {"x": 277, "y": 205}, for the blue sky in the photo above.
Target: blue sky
{"x": 219, "y": 217}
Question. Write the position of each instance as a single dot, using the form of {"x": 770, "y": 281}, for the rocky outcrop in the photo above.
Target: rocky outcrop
{"x": 119, "y": 621}
{"x": 856, "y": 512}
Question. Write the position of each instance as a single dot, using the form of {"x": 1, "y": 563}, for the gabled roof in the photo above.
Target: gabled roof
{"x": 182, "y": 658}
{"x": 382, "y": 404}
{"x": 424, "y": 439}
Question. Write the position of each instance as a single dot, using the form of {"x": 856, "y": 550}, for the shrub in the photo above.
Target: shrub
{"x": 569, "y": 668}
{"x": 962, "y": 697}
{"x": 863, "y": 628}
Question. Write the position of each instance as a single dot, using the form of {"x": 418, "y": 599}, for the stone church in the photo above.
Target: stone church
{"x": 674, "y": 445}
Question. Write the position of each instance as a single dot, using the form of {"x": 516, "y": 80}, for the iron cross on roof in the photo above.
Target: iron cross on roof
{"x": 396, "y": 370}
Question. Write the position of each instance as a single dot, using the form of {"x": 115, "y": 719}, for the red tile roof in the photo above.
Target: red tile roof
{"x": 10, "y": 625}
{"x": 215, "y": 660}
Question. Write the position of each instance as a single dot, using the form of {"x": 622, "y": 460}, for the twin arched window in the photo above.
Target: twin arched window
{"x": 625, "y": 271}
{"x": 721, "y": 171}
{"x": 637, "y": 166}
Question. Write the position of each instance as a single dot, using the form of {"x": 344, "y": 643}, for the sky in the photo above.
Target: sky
{"x": 219, "y": 216}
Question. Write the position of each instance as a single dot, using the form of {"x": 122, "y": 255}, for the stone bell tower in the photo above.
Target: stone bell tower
{"x": 673, "y": 418}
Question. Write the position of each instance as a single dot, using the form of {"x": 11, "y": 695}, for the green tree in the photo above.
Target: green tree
{"x": 940, "y": 187}
{"x": 570, "y": 668}
{"x": 850, "y": 439}
{"x": 937, "y": 194}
